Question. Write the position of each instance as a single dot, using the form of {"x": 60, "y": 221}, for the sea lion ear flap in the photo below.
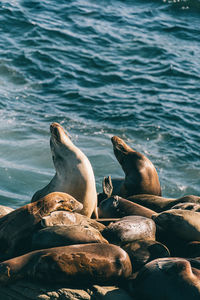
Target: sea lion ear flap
{"x": 107, "y": 186}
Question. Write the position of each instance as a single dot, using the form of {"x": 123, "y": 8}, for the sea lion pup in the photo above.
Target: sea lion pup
{"x": 77, "y": 264}
{"x": 74, "y": 173}
{"x": 160, "y": 204}
{"x": 17, "y": 227}
{"x": 118, "y": 207}
{"x": 167, "y": 279}
{"x": 140, "y": 174}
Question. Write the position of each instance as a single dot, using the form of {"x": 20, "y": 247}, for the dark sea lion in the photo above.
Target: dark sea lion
{"x": 160, "y": 204}
{"x": 175, "y": 244}
{"x": 184, "y": 224}
{"x": 17, "y": 227}
{"x": 118, "y": 207}
{"x": 130, "y": 228}
{"x": 167, "y": 279}
{"x": 140, "y": 174}
{"x": 67, "y": 218}
{"x": 55, "y": 236}
{"x": 74, "y": 173}
{"x": 192, "y": 249}
{"x": 4, "y": 210}
{"x": 77, "y": 264}
{"x": 144, "y": 251}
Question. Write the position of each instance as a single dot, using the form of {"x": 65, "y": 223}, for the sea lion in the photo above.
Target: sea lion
{"x": 55, "y": 236}
{"x": 74, "y": 173}
{"x": 160, "y": 204}
{"x": 77, "y": 264}
{"x": 67, "y": 218}
{"x": 184, "y": 224}
{"x": 192, "y": 249}
{"x": 118, "y": 207}
{"x": 140, "y": 174}
{"x": 175, "y": 244}
{"x": 130, "y": 228}
{"x": 167, "y": 279}
{"x": 17, "y": 227}
{"x": 188, "y": 206}
{"x": 144, "y": 251}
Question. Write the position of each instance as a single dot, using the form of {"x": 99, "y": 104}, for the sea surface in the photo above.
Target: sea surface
{"x": 99, "y": 68}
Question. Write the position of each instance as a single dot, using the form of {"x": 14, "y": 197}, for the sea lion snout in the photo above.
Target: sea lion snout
{"x": 55, "y": 130}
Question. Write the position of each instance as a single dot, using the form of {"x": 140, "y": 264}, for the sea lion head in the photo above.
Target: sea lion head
{"x": 128, "y": 158}
{"x": 61, "y": 146}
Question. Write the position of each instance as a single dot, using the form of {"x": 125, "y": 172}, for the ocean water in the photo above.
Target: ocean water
{"x": 99, "y": 68}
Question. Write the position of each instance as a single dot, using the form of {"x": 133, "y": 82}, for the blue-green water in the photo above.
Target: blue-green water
{"x": 100, "y": 68}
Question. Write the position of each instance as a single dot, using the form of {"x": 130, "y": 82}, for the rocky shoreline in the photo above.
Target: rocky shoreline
{"x": 24, "y": 290}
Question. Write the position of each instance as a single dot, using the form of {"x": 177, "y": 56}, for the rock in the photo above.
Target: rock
{"x": 25, "y": 290}
{"x": 110, "y": 293}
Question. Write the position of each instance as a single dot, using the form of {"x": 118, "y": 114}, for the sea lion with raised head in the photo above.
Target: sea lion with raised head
{"x": 77, "y": 264}
{"x": 140, "y": 174}
{"x": 17, "y": 227}
{"x": 74, "y": 173}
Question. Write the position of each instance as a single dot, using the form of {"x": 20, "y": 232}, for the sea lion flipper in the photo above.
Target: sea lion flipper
{"x": 107, "y": 186}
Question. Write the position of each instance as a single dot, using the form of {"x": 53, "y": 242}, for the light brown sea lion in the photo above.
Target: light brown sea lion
{"x": 118, "y": 207}
{"x": 55, "y": 236}
{"x": 144, "y": 251}
{"x": 74, "y": 173}
{"x": 140, "y": 174}
{"x": 167, "y": 279}
{"x": 77, "y": 264}
{"x": 184, "y": 224}
{"x": 17, "y": 227}
{"x": 130, "y": 228}
{"x": 159, "y": 204}
{"x": 67, "y": 218}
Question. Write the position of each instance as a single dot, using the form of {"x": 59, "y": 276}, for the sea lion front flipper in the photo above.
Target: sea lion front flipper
{"x": 107, "y": 186}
